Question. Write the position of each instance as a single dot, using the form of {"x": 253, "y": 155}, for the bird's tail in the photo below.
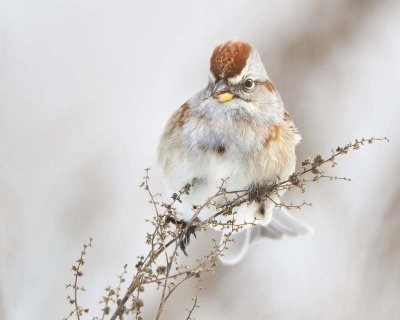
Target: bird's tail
{"x": 282, "y": 223}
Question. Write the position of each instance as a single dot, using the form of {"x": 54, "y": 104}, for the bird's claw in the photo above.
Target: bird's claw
{"x": 185, "y": 232}
{"x": 257, "y": 191}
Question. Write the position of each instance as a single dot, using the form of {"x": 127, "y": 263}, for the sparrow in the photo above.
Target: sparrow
{"x": 235, "y": 130}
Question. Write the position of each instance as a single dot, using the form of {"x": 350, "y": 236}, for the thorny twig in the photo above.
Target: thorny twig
{"x": 77, "y": 270}
{"x": 194, "y": 305}
{"x": 166, "y": 241}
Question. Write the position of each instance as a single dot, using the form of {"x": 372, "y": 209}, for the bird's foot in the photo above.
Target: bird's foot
{"x": 186, "y": 231}
{"x": 256, "y": 191}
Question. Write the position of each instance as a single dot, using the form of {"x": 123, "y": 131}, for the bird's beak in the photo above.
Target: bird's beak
{"x": 223, "y": 97}
{"x": 222, "y": 93}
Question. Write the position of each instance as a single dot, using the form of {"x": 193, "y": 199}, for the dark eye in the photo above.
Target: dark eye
{"x": 248, "y": 83}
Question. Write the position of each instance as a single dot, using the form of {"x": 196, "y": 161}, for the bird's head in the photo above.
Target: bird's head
{"x": 238, "y": 79}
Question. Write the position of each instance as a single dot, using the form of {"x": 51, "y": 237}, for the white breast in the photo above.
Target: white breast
{"x": 227, "y": 144}
{"x": 209, "y": 169}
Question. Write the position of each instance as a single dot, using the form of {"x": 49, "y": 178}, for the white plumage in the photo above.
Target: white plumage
{"x": 235, "y": 128}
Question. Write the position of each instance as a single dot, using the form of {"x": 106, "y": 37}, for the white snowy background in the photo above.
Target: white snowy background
{"x": 85, "y": 89}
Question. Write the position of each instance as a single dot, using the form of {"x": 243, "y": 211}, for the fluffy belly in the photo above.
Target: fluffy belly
{"x": 210, "y": 172}
{"x": 230, "y": 170}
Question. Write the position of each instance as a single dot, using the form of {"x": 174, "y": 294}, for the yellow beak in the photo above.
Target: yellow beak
{"x": 226, "y": 96}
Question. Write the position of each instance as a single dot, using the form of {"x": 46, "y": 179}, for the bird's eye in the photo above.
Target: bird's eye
{"x": 249, "y": 83}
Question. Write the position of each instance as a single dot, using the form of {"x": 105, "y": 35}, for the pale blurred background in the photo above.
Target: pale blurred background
{"x": 85, "y": 89}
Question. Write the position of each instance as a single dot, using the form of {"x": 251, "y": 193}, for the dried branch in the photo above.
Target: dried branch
{"x": 194, "y": 305}
{"x": 170, "y": 234}
{"x": 78, "y": 310}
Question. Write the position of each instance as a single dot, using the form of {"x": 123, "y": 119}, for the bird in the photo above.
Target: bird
{"x": 235, "y": 130}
